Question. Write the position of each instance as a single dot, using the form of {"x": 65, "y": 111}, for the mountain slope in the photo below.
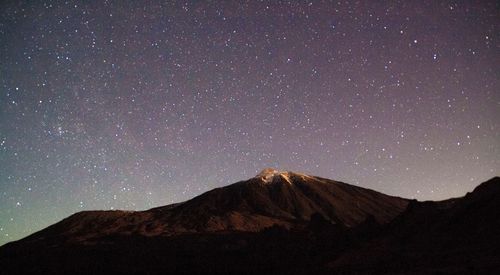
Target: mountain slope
{"x": 271, "y": 198}
{"x": 459, "y": 235}
{"x": 275, "y": 223}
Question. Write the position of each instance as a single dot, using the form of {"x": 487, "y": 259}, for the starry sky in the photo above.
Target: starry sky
{"x": 137, "y": 104}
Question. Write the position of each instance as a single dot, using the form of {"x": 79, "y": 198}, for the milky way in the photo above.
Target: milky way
{"x": 137, "y": 104}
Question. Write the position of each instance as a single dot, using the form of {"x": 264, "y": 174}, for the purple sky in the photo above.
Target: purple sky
{"x": 137, "y": 104}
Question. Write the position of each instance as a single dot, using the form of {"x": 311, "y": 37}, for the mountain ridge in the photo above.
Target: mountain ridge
{"x": 272, "y": 198}
{"x": 274, "y": 223}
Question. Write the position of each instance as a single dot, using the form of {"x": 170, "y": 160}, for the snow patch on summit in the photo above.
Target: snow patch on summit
{"x": 270, "y": 175}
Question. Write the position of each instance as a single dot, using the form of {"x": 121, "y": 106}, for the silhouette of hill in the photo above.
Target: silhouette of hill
{"x": 453, "y": 236}
{"x": 271, "y": 198}
{"x": 276, "y": 222}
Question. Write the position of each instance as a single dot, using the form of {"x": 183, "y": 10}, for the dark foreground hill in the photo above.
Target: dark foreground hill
{"x": 277, "y": 222}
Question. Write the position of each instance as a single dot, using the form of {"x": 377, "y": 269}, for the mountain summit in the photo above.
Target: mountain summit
{"x": 270, "y": 175}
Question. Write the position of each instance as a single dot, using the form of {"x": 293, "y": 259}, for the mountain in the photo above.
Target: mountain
{"x": 277, "y": 223}
{"x": 453, "y": 236}
{"x": 272, "y": 198}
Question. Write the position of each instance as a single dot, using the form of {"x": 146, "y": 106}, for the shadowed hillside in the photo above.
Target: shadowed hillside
{"x": 276, "y": 222}
{"x": 271, "y": 198}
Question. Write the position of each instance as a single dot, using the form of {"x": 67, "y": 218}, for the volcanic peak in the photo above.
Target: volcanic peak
{"x": 271, "y": 175}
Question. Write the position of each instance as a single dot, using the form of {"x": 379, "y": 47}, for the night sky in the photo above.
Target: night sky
{"x": 138, "y": 104}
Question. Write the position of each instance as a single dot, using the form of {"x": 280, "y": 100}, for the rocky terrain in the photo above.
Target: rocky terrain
{"x": 276, "y": 222}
